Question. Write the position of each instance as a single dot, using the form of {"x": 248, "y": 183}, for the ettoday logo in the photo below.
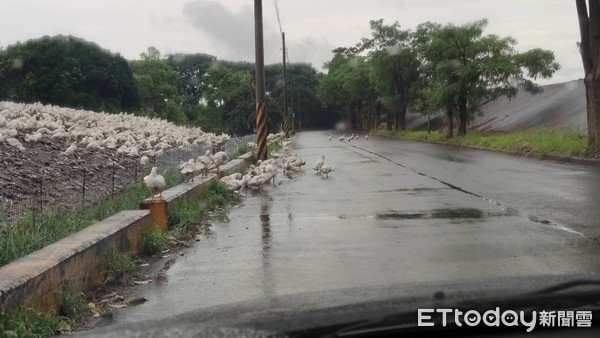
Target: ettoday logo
{"x": 496, "y": 317}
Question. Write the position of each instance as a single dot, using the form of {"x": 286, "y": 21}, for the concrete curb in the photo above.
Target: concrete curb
{"x": 74, "y": 264}
{"x": 566, "y": 159}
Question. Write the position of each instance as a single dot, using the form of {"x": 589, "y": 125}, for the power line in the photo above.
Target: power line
{"x": 276, "y": 55}
{"x": 278, "y": 18}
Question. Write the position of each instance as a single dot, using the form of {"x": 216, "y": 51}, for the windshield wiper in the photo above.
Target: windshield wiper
{"x": 549, "y": 298}
{"x": 568, "y": 285}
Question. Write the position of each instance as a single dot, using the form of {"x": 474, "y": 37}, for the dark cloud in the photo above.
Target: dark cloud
{"x": 232, "y": 31}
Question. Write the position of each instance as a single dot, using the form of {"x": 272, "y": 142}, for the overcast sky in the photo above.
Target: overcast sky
{"x": 313, "y": 27}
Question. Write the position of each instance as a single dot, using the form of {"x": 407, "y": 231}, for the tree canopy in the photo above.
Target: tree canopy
{"x": 433, "y": 67}
{"x": 470, "y": 68}
{"x": 157, "y": 86}
{"x": 67, "y": 71}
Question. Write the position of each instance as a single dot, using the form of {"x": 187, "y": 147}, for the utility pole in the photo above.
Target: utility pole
{"x": 286, "y": 117}
{"x": 261, "y": 114}
{"x": 292, "y": 104}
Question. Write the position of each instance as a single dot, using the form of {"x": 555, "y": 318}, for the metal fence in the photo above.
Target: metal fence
{"x": 85, "y": 184}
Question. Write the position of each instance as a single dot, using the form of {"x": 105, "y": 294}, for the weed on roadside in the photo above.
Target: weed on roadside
{"x": 32, "y": 323}
{"x": 184, "y": 215}
{"x": 120, "y": 268}
{"x": 73, "y": 306}
{"x": 154, "y": 241}
{"x": 218, "y": 195}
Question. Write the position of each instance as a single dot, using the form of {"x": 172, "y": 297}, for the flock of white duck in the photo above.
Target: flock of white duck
{"x": 125, "y": 134}
{"x": 264, "y": 172}
{"x": 256, "y": 177}
{"x": 345, "y": 138}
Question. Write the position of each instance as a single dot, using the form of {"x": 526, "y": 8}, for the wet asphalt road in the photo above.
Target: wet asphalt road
{"x": 393, "y": 212}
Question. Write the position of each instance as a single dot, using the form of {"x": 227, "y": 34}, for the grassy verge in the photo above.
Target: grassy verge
{"x": 31, "y": 323}
{"x": 537, "y": 141}
{"x": 33, "y": 231}
{"x": 184, "y": 216}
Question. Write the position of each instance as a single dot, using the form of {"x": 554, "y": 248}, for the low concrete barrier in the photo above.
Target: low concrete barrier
{"x": 73, "y": 264}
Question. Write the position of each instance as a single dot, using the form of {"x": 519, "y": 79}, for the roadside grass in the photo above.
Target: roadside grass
{"x": 73, "y": 306}
{"x": 120, "y": 267}
{"x": 184, "y": 216}
{"x": 34, "y": 231}
{"x": 218, "y": 195}
{"x": 538, "y": 141}
{"x": 31, "y": 323}
{"x": 154, "y": 241}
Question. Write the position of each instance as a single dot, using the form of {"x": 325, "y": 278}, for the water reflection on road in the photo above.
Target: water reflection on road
{"x": 265, "y": 226}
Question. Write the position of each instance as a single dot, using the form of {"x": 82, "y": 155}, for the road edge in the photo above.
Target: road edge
{"x": 565, "y": 159}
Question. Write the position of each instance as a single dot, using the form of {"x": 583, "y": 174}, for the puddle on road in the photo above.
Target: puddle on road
{"x": 458, "y": 213}
{"x": 399, "y": 215}
{"x": 413, "y": 191}
{"x": 445, "y": 213}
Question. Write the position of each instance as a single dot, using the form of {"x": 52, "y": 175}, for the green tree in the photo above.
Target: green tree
{"x": 151, "y": 54}
{"x": 228, "y": 96}
{"x": 157, "y": 86}
{"x": 349, "y": 87}
{"x": 67, "y": 71}
{"x": 589, "y": 27}
{"x": 191, "y": 68}
{"x": 396, "y": 66}
{"x": 303, "y": 102}
{"x": 303, "y": 97}
{"x": 471, "y": 68}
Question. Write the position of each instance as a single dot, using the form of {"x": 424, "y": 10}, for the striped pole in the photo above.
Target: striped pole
{"x": 261, "y": 115}
{"x": 261, "y": 130}
{"x": 286, "y": 126}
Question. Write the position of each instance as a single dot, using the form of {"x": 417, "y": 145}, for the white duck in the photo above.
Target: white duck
{"x": 317, "y": 166}
{"x": 155, "y": 182}
{"x": 220, "y": 158}
{"x": 326, "y": 169}
{"x": 71, "y": 149}
{"x": 13, "y": 142}
{"x": 187, "y": 170}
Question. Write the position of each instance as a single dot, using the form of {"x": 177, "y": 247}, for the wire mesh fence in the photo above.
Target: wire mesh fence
{"x": 81, "y": 184}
